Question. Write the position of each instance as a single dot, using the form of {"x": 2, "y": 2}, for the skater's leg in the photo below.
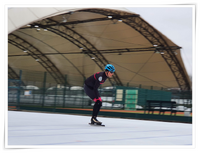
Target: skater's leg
{"x": 96, "y": 108}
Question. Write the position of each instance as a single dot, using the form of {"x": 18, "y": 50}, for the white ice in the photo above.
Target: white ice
{"x": 33, "y": 129}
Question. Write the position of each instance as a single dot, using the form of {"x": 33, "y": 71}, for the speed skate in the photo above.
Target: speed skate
{"x": 95, "y": 124}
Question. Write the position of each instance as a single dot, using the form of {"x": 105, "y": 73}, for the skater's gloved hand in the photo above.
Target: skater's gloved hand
{"x": 99, "y": 99}
{"x": 95, "y": 100}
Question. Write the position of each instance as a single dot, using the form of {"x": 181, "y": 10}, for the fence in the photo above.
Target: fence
{"x": 40, "y": 90}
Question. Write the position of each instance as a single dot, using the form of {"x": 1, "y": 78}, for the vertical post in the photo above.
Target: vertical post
{"x": 140, "y": 86}
{"x": 19, "y": 85}
{"x": 33, "y": 91}
{"x": 146, "y": 91}
{"x": 44, "y": 87}
{"x": 55, "y": 97}
{"x": 64, "y": 91}
{"x": 83, "y": 92}
{"x": 8, "y": 89}
{"x": 124, "y": 91}
{"x": 127, "y": 84}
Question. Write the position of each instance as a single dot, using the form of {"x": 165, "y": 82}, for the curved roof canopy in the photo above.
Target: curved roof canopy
{"x": 79, "y": 42}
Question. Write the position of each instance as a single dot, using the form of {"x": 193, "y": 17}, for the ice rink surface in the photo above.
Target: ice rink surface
{"x": 33, "y": 129}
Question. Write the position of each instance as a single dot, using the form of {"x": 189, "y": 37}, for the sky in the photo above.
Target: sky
{"x": 175, "y": 22}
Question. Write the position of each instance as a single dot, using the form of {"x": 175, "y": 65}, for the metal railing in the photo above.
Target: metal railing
{"x": 42, "y": 91}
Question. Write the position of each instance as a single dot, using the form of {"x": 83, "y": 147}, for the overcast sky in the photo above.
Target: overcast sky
{"x": 175, "y": 23}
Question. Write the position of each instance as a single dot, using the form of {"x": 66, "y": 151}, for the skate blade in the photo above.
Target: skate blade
{"x": 96, "y": 124}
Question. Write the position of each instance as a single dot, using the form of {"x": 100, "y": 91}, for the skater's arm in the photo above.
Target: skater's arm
{"x": 96, "y": 85}
{"x": 96, "y": 92}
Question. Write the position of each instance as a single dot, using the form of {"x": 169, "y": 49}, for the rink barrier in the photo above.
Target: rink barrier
{"x": 41, "y": 89}
{"x": 167, "y": 118}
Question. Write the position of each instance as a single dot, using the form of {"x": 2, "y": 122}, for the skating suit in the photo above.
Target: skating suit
{"x": 92, "y": 84}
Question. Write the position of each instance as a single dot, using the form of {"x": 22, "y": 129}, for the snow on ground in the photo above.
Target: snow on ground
{"x": 33, "y": 129}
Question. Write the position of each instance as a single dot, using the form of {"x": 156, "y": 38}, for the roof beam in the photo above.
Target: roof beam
{"x": 113, "y": 51}
{"x": 168, "y": 55}
{"x": 114, "y": 17}
{"x": 38, "y": 56}
{"x": 13, "y": 75}
{"x": 81, "y": 43}
{"x": 155, "y": 38}
{"x": 52, "y": 54}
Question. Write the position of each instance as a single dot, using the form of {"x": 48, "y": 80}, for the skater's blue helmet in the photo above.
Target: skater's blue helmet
{"x": 110, "y": 67}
